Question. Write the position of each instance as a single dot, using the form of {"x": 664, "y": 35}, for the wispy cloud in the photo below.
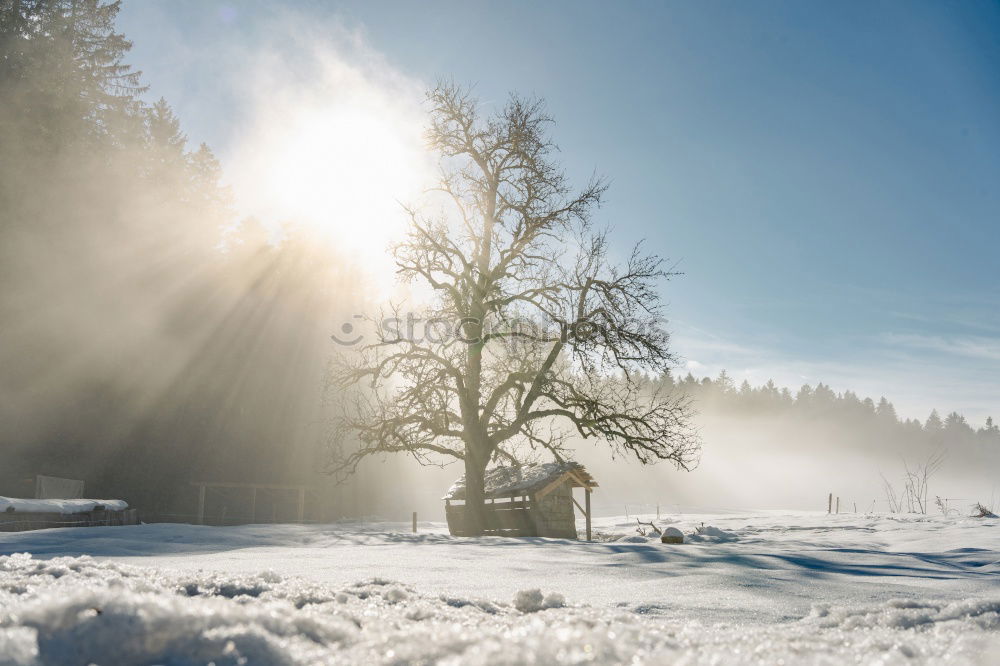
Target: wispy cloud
{"x": 978, "y": 347}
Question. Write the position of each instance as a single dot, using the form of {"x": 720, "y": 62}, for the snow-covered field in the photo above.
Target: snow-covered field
{"x": 762, "y": 587}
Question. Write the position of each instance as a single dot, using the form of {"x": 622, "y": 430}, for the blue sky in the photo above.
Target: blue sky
{"x": 826, "y": 175}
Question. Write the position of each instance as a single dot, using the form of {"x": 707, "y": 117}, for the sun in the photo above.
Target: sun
{"x": 342, "y": 165}
{"x": 345, "y": 171}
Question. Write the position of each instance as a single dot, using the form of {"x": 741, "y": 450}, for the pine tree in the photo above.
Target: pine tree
{"x": 868, "y": 407}
{"x": 163, "y": 128}
{"x": 886, "y": 411}
{"x": 724, "y": 383}
{"x": 956, "y": 423}
{"x": 933, "y": 423}
{"x": 62, "y": 77}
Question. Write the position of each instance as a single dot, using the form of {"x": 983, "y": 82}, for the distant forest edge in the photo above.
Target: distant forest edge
{"x": 821, "y": 403}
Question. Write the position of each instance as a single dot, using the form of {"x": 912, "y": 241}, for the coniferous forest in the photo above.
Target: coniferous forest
{"x": 145, "y": 327}
{"x": 820, "y": 403}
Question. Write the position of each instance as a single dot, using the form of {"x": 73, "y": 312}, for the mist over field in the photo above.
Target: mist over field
{"x": 775, "y": 454}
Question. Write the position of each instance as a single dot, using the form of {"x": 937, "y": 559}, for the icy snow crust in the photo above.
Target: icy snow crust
{"x": 78, "y": 611}
{"x": 64, "y": 506}
{"x": 756, "y": 589}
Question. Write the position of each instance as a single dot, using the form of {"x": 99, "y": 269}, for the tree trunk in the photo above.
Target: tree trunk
{"x": 477, "y": 452}
{"x": 475, "y": 498}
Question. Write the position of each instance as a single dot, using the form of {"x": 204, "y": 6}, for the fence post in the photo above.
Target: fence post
{"x": 201, "y": 504}
{"x": 829, "y": 503}
{"x": 414, "y": 522}
{"x": 838, "y": 504}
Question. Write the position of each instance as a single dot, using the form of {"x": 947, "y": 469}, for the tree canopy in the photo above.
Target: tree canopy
{"x": 534, "y": 335}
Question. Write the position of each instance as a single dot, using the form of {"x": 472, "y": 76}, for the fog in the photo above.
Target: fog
{"x": 151, "y": 336}
{"x": 763, "y": 448}
{"x": 167, "y": 320}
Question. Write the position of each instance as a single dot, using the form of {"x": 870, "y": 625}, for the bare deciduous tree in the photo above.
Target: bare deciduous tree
{"x": 915, "y": 486}
{"x": 917, "y": 480}
{"x": 534, "y": 335}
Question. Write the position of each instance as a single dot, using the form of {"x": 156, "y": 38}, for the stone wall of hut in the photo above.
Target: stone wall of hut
{"x": 553, "y": 514}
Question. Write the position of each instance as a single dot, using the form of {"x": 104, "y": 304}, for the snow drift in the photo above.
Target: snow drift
{"x": 78, "y": 610}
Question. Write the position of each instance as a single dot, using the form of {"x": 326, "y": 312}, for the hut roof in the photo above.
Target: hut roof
{"x": 504, "y": 481}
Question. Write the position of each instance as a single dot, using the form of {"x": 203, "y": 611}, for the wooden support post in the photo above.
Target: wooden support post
{"x": 829, "y": 503}
{"x": 201, "y": 504}
{"x": 414, "y": 522}
{"x": 302, "y": 505}
{"x": 253, "y": 504}
{"x": 838, "y": 504}
{"x": 586, "y": 502}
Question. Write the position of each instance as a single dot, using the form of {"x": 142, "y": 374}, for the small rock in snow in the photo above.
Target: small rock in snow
{"x": 672, "y": 535}
{"x": 529, "y": 601}
{"x": 554, "y": 600}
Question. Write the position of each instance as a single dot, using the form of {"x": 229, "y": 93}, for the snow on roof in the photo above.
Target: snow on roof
{"x": 63, "y": 506}
{"x": 504, "y": 481}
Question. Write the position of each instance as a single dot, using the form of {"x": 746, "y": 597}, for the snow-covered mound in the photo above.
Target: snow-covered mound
{"x": 75, "y": 610}
{"x": 711, "y": 534}
{"x": 63, "y": 506}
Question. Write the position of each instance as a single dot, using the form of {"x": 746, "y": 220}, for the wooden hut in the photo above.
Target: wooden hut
{"x": 526, "y": 500}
